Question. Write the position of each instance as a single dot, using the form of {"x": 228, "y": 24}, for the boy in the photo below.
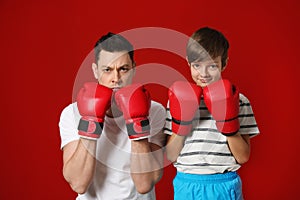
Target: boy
{"x": 209, "y": 124}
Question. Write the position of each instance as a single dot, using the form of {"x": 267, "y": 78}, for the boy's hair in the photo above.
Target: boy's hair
{"x": 112, "y": 42}
{"x": 207, "y": 42}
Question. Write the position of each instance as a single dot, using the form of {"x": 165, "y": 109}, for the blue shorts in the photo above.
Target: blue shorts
{"x": 206, "y": 187}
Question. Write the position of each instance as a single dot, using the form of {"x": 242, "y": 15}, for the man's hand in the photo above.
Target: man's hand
{"x": 93, "y": 100}
{"x": 134, "y": 101}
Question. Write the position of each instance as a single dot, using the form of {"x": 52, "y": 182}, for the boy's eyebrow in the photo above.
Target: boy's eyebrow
{"x": 207, "y": 61}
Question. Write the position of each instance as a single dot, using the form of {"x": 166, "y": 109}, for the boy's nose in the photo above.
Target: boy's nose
{"x": 202, "y": 71}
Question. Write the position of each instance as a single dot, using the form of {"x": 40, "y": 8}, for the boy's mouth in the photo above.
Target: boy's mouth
{"x": 205, "y": 81}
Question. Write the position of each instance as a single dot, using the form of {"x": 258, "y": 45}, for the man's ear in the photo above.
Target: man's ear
{"x": 186, "y": 58}
{"x": 95, "y": 70}
{"x": 133, "y": 68}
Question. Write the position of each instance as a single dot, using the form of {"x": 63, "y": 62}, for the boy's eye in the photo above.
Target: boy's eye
{"x": 196, "y": 66}
{"x": 213, "y": 66}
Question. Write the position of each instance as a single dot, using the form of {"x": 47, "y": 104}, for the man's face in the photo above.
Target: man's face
{"x": 207, "y": 71}
{"x": 114, "y": 69}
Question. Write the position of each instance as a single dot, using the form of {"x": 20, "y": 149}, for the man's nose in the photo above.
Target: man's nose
{"x": 116, "y": 76}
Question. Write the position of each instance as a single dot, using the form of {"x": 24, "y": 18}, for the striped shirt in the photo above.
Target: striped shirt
{"x": 205, "y": 149}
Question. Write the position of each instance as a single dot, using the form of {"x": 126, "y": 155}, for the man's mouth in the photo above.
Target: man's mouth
{"x": 115, "y": 88}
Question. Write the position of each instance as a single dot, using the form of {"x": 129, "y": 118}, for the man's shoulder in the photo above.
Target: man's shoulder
{"x": 70, "y": 109}
{"x": 156, "y": 105}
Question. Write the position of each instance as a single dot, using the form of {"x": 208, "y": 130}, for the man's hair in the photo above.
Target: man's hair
{"x": 112, "y": 42}
{"x": 207, "y": 42}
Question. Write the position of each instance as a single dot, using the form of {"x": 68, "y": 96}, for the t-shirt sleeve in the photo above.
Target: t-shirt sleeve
{"x": 247, "y": 120}
{"x": 68, "y": 125}
{"x": 157, "y": 121}
{"x": 168, "y": 124}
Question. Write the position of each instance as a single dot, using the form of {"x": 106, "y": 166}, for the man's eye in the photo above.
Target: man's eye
{"x": 106, "y": 69}
{"x": 124, "y": 69}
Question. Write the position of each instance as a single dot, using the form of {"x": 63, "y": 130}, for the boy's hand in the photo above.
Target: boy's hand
{"x": 184, "y": 100}
{"x": 222, "y": 100}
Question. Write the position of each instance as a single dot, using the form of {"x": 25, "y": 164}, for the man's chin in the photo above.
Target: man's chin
{"x": 115, "y": 88}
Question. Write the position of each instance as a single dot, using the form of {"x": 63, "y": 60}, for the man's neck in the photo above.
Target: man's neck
{"x": 113, "y": 111}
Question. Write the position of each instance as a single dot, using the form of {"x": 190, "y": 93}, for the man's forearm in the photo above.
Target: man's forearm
{"x": 79, "y": 168}
{"x": 146, "y": 164}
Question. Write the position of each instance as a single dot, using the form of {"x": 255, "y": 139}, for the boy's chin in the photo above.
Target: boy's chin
{"x": 202, "y": 84}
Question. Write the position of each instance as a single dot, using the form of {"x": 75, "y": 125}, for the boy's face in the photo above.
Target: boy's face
{"x": 207, "y": 71}
{"x": 114, "y": 69}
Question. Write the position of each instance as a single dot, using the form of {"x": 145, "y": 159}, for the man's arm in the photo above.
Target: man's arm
{"x": 93, "y": 100}
{"x": 79, "y": 164}
{"x": 146, "y": 158}
{"x": 146, "y": 164}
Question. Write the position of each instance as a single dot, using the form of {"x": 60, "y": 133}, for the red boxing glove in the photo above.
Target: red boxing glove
{"x": 93, "y": 100}
{"x": 184, "y": 100}
{"x": 134, "y": 101}
{"x": 222, "y": 101}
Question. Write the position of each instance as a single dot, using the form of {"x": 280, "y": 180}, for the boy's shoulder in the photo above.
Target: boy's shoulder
{"x": 243, "y": 99}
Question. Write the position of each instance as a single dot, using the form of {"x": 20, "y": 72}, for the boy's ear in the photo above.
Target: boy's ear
{"x": 225, "y": 64}
{"x": 95, "y": 70}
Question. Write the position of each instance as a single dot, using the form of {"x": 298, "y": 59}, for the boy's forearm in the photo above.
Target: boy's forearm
{"x": 240, "y": 147}
{"x": 174, "y": 146}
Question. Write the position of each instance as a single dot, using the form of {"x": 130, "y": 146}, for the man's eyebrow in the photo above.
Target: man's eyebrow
{"x": 106, "y": 66}
{"x": 103, "y": 66}
{"x": 125, "y": 65}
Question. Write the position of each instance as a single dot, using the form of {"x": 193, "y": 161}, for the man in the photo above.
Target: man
{"x": 112, "y": 136}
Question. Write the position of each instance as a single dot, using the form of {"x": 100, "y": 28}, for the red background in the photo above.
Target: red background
{"x": 43, "y": 44}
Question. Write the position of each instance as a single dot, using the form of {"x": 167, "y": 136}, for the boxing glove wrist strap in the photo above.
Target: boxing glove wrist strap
{"x": 227, "y": 120}
{"x": 228, "y": 127}
{"x": 138, "y": 128}
{"x": 90, "y": 128}
{"x": 176, "y": 121}
{"x": 230, "y": 134}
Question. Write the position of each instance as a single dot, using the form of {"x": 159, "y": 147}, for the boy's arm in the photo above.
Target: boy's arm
{"x": 184, "y": 100}
{"x": 174, "y": 146}
{"x": 239, "y": 146}
{"x": 222, "y": 100}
